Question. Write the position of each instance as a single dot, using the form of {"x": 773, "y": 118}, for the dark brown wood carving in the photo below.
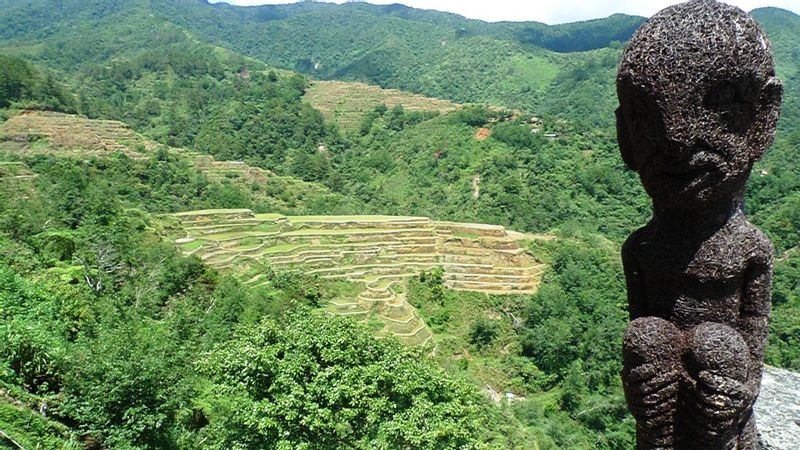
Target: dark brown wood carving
{"x": 699, "y": 103}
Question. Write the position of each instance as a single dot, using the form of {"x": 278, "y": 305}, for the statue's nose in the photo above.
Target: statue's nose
{"x": 684, "y": 140}
{"x": 684, "y": 128}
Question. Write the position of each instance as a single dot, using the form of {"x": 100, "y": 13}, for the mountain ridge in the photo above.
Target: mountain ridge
{"x": 430, "y": 53}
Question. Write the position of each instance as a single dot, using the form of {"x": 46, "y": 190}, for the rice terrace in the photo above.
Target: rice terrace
{"x": 346, "y": 102}
{"x": 31, "y": 133}
{"x": 377, "y": 252}
{"x": 37, "y": 132}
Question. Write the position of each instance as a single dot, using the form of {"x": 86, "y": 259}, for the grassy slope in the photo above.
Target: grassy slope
{"x": 563, "y": 70}
{"x": 440, "y": 55}
{"x": 429, "y": 169}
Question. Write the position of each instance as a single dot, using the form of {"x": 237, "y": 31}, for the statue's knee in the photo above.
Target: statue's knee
{"x": 717, "y": 348}
{"x": 651, "y": 339}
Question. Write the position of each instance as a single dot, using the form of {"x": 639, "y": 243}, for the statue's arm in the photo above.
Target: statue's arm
{"x": 739, "y": 393}
{"x": 634, "y": 278}
{"x": 721, "y": 394}
{"x": 755, "y": 310}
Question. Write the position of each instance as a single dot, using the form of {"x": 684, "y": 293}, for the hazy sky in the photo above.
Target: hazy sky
{"x": 548, "y": 11}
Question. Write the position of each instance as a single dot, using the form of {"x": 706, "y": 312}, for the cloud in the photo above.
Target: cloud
{"x": 549, "y": 11}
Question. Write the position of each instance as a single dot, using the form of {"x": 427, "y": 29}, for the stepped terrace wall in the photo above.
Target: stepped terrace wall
{"x": 379, "y": 252}
{"x": 65, "y": 135}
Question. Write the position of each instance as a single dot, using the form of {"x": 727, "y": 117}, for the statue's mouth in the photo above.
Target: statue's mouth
{"x": 701, "y": 164}
{"x": 680, "y": 173}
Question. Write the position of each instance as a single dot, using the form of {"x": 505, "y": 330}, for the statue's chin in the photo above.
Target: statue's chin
{"x": 684, "y": 193}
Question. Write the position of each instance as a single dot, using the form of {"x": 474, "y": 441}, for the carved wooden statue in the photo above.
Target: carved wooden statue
{"x": 699, "y": 103}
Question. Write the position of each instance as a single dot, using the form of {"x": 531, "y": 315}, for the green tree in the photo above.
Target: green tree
{"x": 482, "y": 332}
{"x": 323, "y": 382}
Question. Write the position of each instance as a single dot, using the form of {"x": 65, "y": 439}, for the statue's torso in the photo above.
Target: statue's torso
{"x": 689, "y": 279}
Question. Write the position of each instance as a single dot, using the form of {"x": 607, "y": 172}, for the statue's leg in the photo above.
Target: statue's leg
{"x": 651, "y": 375}
{"x": 748, "y": 439}
{"x": 716, "y": 407}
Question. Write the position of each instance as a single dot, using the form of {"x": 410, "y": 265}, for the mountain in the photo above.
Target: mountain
{"x": 562, "y": 70}
{"x": 783, "y": 29}
{"x": 436, "y": 54}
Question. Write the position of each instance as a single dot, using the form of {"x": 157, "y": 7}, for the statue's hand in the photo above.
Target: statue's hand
{"x": 717, "y": 397}
{"x": 646, "y": 379}
{"x": 714, "y": 408}
{"x": 651, "y": 390}
{"x": 721, "y": 396}
{"x": 651, "y": 376}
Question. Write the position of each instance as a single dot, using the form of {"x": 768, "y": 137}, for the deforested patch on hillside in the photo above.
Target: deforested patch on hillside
{"x": 378, "y": 253}
{"x": 346, "y": 102}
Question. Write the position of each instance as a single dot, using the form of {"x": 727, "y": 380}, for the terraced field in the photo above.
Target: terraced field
{"x": 67, "y": 135}
{"x": 43, "y": 132}
{"x": 37, "y": 132}
{"x": 17, "y": 170}
{"x": 379, "y": 252}
{"x": 346, "y": 102}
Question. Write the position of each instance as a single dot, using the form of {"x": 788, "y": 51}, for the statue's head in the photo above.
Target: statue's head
{"x": 699, "y": 102}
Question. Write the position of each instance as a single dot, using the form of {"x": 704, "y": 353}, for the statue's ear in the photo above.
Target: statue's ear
{"x": 769, "y": 111}
{"x": 771, "y": 96}
{"x": 623, "y": 138}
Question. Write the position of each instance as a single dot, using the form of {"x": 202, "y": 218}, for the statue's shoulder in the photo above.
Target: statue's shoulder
{"x": 751, "y": 239}
{"x": 636, "y": 241}
{"x": 635, "y": 245}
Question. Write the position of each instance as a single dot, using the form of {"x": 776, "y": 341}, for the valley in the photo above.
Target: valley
{"x": 204, "y": 227}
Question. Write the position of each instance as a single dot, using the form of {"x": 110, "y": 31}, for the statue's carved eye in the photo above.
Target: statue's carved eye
{"x": 644, "y": 106}
{"x": 643, "y": 118}
{"x": 646, "y": 116}
{"x": 735, "y": 100}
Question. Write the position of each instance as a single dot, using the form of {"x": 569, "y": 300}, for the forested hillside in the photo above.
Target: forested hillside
{"x": 114, "y": 339}
{"x": 441, "y": 55}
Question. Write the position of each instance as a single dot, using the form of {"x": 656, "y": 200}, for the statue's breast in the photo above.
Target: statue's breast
{"x": 717, "y": 260}
{"x": 690, "y": 282}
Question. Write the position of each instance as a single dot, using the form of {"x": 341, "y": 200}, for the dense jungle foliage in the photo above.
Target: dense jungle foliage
{"x": 112, "y": 339}
{"x": 25, "y": 86}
